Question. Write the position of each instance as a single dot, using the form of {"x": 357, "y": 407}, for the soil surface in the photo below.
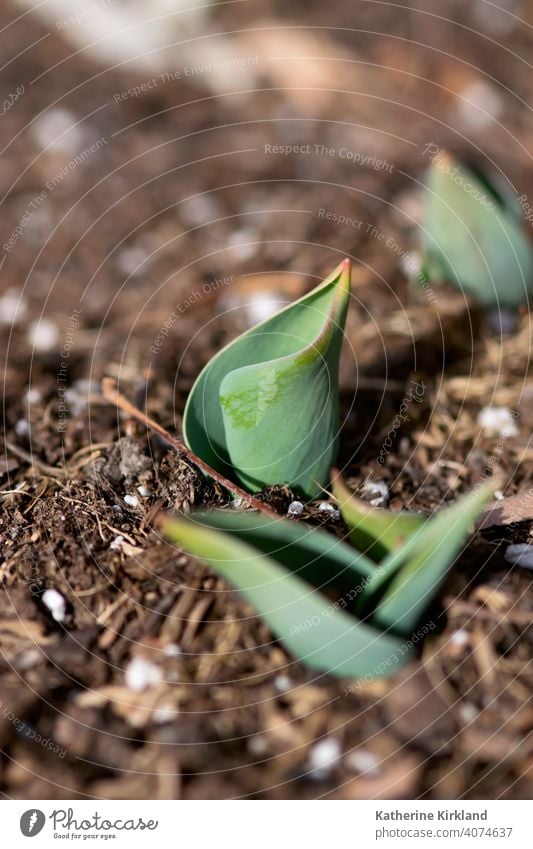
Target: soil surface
{"x": 169, "y": 237}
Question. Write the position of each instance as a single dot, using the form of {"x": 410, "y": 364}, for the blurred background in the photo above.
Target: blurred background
{"x": 152, "y": 150}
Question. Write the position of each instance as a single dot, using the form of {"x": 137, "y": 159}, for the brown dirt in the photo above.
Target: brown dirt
{"x": 235, "y": 715}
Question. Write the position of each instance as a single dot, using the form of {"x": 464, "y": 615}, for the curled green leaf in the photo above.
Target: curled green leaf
{"x": 325, "y": 601}
{"x": 474, "y": 236}
{"x": 275, "y": 565}
{"x": 265, "y": 409}
{"x": 313, "y": 554}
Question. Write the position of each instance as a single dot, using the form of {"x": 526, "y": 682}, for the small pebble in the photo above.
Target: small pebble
{"x": 79, "y": 394}
{"x": 520, "y": 555}
{"x": 172, "y": 650}
{"x": 28, "y": 659}
{"x": 325, "y": 507}
{"x": 133, "y": 261}
{"x": 468, "y": 712}
{"x": 116, "y": 545}
{"x": 131, "y": 500}
{"x": 164, "y": 714}
{"x": 55, "y": 130}
{"x": 459, "y": 637}
{"x": 361, "y": 760}
{"x": 497, "y": 421}
{"x": 502, "y": 322}
{"x": 376, "y": 492}
{"x": 241, "y": 245}
{"x": 411, "y": 264}
{"x": 33, "y": 396}
{"x": 22, "y": 427}
{"x": 295, "y": 508}
{"x": 141, "y": 673}
{"x": 282, "y": 683}
{"x": 55, "y": 603}
{"x": 144, "y": 491}
{"x": 43, "y": 335}
{"x": 323, "y": 757}
{"x": 257, "y": 745}
{"x": 479, "y": 105}
{"x": 12, "y": 307}
{"x": 200, "y": 209}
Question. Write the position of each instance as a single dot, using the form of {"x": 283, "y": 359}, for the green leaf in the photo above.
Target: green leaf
{"x": 474, "y": 237}
{"x": 265, "y": 410}
{"x": 373, "y": 531}
{"x": 410, "y": 577}
{"x": 307, "y": 622}
{"x": 317, "y": 556}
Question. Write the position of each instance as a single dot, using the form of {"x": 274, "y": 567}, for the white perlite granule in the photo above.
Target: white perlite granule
{"x": 56, "y": 604}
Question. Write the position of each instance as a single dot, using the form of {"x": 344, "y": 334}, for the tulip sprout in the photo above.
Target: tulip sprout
{"x": 265, "y": 410}
{"x": 474, "y": 237}
{"x": 284, "y": 569}
{"x": 236, "y": 419}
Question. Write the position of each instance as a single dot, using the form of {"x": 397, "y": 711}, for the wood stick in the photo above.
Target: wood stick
{"x": 507, "y": 511}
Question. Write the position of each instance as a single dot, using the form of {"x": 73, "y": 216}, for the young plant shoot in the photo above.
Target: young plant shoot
{"x": 474, "y": 237}
{"x": 265, "y": 409}
{"x": 364, "y": 624}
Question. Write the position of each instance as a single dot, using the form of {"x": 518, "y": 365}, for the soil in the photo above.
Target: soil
{"x": 139, "y": 264}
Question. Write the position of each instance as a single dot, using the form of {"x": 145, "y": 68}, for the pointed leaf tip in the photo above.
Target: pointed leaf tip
{"x": 265, "y": 409}
{"x": 373, "y": 531}
{"x": 419, "y": 568}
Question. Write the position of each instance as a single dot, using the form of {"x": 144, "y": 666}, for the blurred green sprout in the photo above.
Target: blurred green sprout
{"x": 473, "y": 235}
{"x": 347, "y": 610}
